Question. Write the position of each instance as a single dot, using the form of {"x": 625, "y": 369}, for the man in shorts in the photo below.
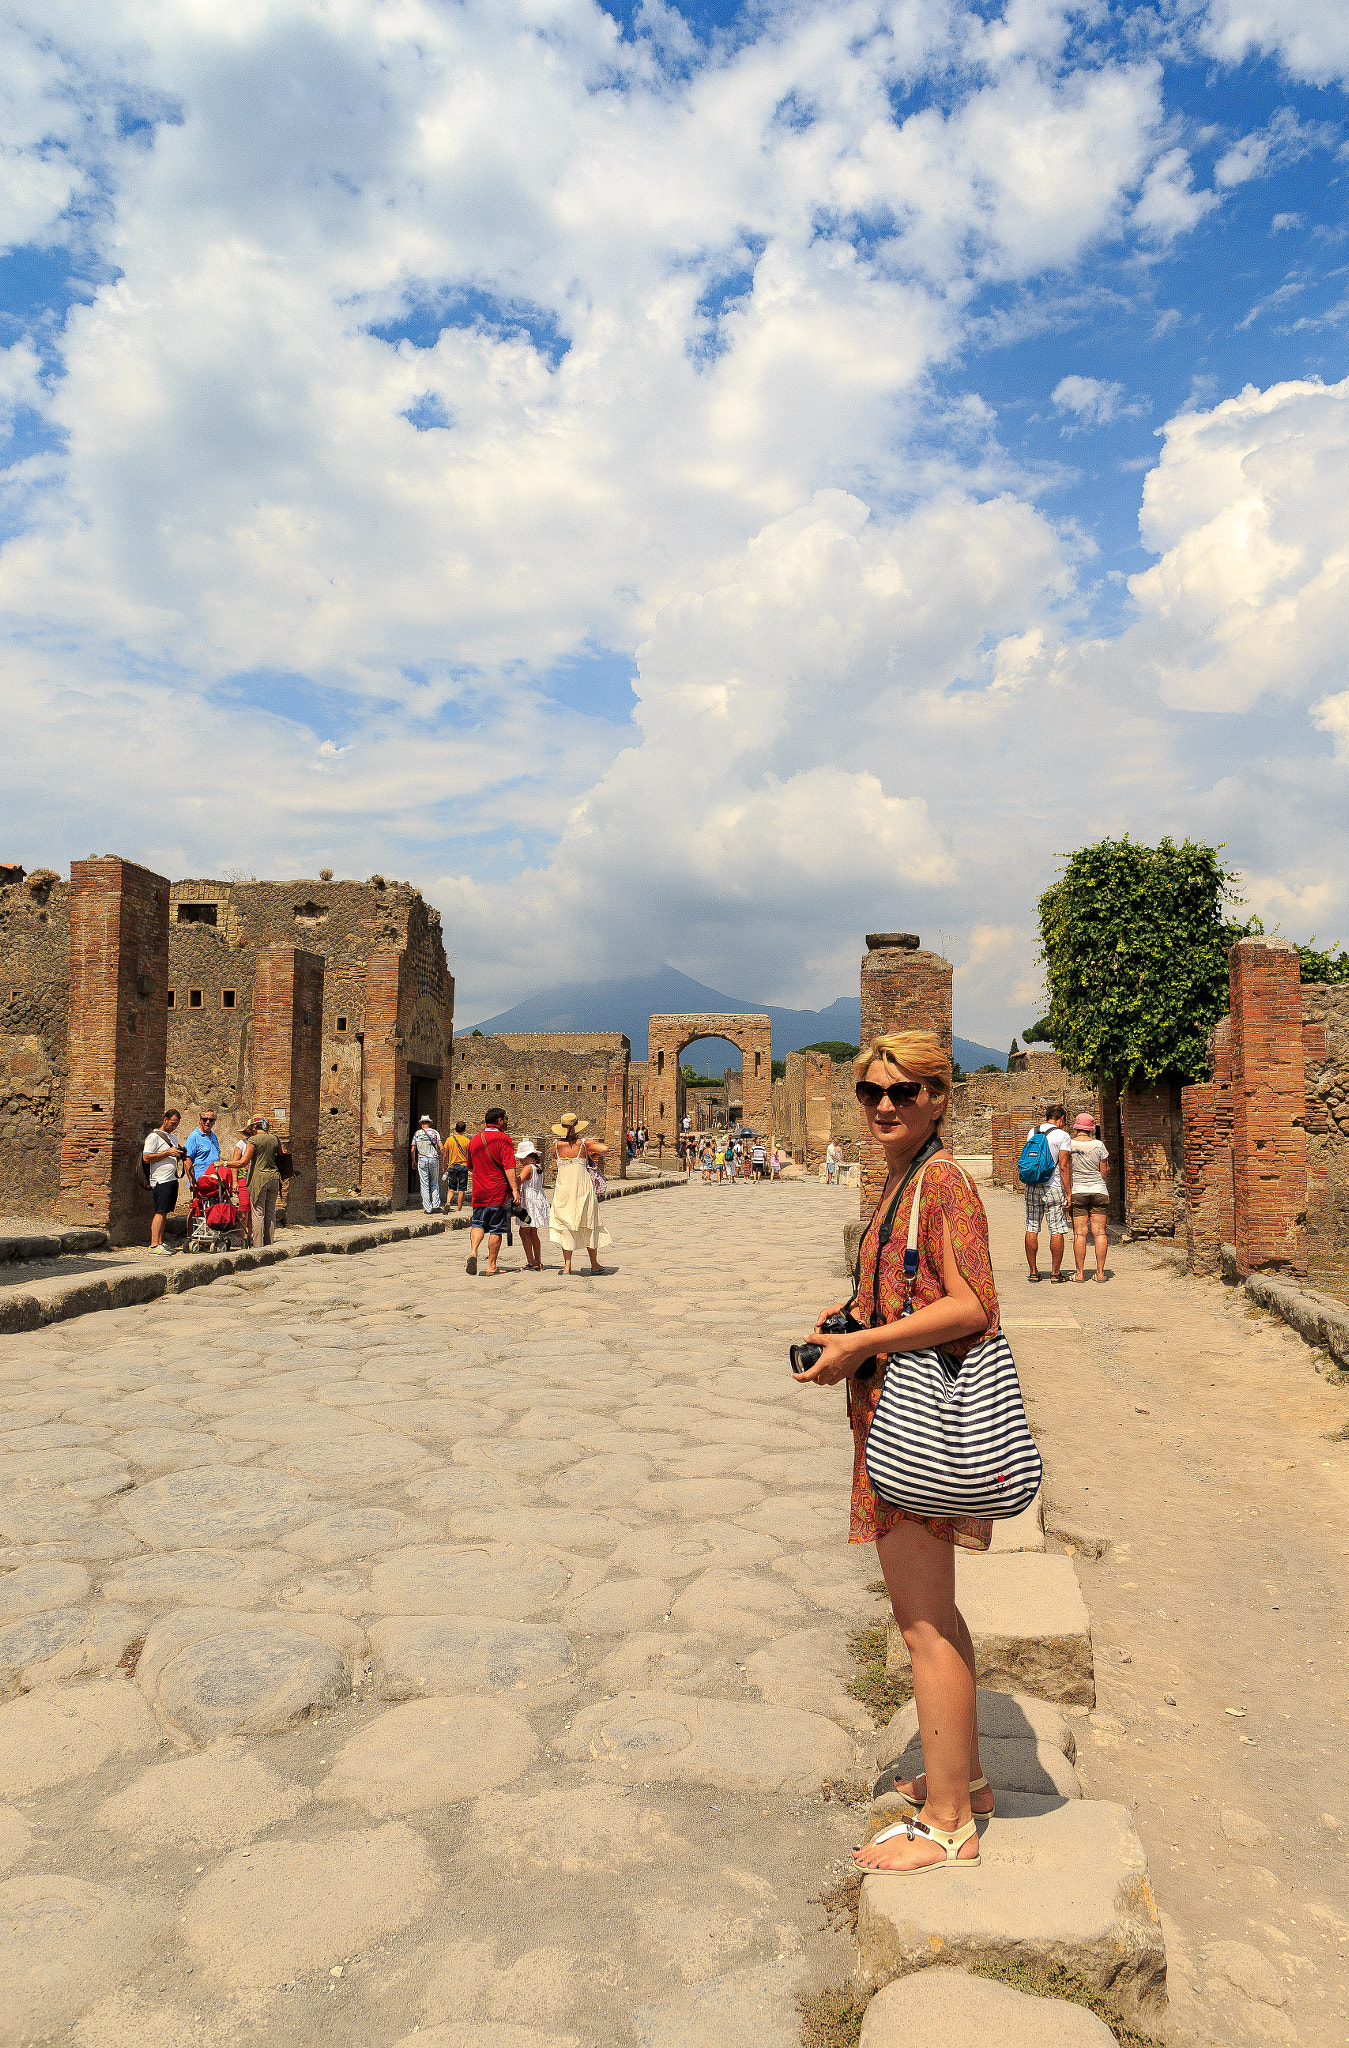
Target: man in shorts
{"x": 491, "y": 1161}
{"x": 1050, "y": 1201}
{"x": 161, "y": 1153}
{"x": 456, "y": 1166}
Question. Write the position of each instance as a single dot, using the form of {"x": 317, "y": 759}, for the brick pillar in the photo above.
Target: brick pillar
{"x": 1006, "y": 1148}
{"x": 756, "y": 1077}
{"x": 817, "y": 1078}
{"x": 1149, "y": 1131}
{"x": 903, "y": 989}
{"x": 287, "y": 1063}
{"x": 1203, "y": 1170}
{"x": 1220, "y": 1053}
{"x": 1269, "y": 1138}
{"x": 615, "y": 1132}
{"x": 117, "y": 1043}
{"x": 386, "y": 1103}
{"x": 1112, "y": 1137}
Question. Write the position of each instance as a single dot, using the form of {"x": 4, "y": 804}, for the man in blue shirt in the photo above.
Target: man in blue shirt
{"x": 203, "y": 1147}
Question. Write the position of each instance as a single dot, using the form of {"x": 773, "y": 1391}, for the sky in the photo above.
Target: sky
{"x": 687, "y": 484}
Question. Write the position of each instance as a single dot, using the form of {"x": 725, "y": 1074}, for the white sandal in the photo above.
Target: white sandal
{"x": 953, "y": 1844}
{"x": 917, "y": 1805}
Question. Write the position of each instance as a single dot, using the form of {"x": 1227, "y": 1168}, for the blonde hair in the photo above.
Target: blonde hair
{"x": 920, "y": 1053}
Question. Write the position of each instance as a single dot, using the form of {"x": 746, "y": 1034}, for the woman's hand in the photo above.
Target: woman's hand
{"x": 825, "y": 1313}
{"x": 839, "y": 1359}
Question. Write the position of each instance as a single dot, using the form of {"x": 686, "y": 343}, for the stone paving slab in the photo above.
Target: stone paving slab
{"x": 1060, "y": 1882}
{"x": 1029, "y": 1624}
{"x": 947, "y": 2007}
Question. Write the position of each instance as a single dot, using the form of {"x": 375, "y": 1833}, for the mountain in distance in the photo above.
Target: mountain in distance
{"x": 626, "y": 1006}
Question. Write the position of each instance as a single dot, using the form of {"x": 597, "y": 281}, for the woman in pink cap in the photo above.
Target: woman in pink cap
{"x": 1091, "y": 1196}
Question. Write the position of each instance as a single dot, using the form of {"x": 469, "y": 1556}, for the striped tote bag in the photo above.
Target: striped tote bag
{"x": 950, "y": 1436}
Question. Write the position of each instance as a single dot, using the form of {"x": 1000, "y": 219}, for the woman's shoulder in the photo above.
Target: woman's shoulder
{"x": 946, "y": 1178}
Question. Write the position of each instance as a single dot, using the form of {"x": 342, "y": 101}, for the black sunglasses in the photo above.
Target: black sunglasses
{"x": 899, "y": 1092}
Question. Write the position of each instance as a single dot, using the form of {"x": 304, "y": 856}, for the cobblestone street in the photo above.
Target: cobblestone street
{"x": 392, "y": 1653}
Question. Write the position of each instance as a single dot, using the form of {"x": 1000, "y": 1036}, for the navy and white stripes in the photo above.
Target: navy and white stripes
{"x": 951, "y": 1437}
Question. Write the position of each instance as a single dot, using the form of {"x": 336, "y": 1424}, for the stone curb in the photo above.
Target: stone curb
{"x": 52, "y": 1245}
{"x": 128, "y": 1288}
{"x": 1321, "y": 1322}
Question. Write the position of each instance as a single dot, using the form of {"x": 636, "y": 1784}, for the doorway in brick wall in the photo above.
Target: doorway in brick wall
{"x": 422, "y": 1092}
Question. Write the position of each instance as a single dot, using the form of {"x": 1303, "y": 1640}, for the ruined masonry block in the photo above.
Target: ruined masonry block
{"x": 1029, "y": 1623}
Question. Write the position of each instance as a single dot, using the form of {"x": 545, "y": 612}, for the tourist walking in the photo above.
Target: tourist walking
{"x": 758, "y": 1158}
{"x": 1090, "y": 1195}
{"x": 262, "y": 1178}
{"x": 456, "y": 1166}
{"x": 529, "y": 1168}
{"x": 775, "y": 1172}
{"x": 1049, "y": 1196}
{"x": 491, "y": 1161}
{"x": 903, "y": 1086}
{"x": 160, "y": 1155}
{"x": 203, "y": 1146}
{"x": 831, "y": 1164}
{"x": 427, "y": 1149}
{"x": 575, "y": 1223}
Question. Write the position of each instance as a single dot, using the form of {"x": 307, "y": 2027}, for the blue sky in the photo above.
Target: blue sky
{"x": 683, "y": 484}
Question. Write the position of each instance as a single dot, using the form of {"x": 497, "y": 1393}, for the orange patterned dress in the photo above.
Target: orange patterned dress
{"x": 949, "y": 1197}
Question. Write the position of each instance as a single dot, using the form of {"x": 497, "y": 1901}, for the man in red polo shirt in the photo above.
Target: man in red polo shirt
{"x": 491, "y": 1161}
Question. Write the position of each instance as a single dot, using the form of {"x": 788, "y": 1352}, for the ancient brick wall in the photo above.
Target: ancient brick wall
{"x": 34, "y": 993}
{"x": 209, "y": 1002}
{"x": 1205, "y": 1168}
{"x": 637, "y": 1112}
{"x": 1151, "y": 1157}
{"x": 1023, "y": 1093}
{"x": 903, "y": 989}
{"x": 1325, "y": 1048}
{"x": 116, "y": 1043}
{"x": 286, "y": 1068}
{"x": 534, "y": 1077}
{"x": 845, "y": 1112}
{"x": 1269, "y": 1100}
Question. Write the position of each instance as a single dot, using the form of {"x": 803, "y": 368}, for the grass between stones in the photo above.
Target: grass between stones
{"x": 881, "y": 1695}
{"x": 831, "y": 2019}
{"x": 1053, "y": 1982}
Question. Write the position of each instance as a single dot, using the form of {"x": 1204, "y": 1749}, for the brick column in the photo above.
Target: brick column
{"x": 386, "y": 1100}
{"x": 287, "y": 1063}
{"x": 817, "y": 1087}
{"x": 116, "y": 1044}
{"x": 1269, "y": 1097}
{"x": 615, "y": 1121}
{"x": 1203, "y": 1169}
{"x": 1149, "y": 1131}
{"x": 903, "y": 989}
{"x": 1220, "y": 1055}
{"x": 1006, "y": 1148}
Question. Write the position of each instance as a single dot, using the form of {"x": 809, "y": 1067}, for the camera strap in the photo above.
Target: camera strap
{"x": 883, "y": 1235}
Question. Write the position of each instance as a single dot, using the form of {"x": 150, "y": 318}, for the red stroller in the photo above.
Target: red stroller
{"x": 218, "y": 1219}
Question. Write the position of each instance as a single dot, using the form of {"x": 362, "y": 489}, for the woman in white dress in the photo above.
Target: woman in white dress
{"x": 575, "y": 1214}
{"x": 529, "y": 1171}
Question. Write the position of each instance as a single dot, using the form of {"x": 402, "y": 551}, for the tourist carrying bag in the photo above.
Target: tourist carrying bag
{"x": 950, "y": 1436}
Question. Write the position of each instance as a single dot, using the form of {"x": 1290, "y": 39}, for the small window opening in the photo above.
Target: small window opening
{"x": 131, "y": 1020}
{"x": 170, "y": 998}
{"x": 194, "y": 999}
{"x": 227, "y": 998}
{"x": 197, "y": 913}
{"x": 14, "y": 995}
{"x": 334, "y": 1070}
{"x": 341, "y": 1025}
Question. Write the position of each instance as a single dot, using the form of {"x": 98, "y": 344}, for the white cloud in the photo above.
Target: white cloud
{"x": 1095, "y": 403}
{"x": 1168, "y": 204}
{"x": 1312, "y": 38}
{"x": 1331, "y": 716}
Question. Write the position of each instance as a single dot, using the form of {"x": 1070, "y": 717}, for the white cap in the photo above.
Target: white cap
{"x": 526, "y": 1148}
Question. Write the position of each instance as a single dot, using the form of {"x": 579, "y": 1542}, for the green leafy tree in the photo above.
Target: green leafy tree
{"x": 1324, "y": 967}
{"x": 1039, "y": 1034}
{"x": 838, "y": 1049}
{"x": 1134, "y": 941}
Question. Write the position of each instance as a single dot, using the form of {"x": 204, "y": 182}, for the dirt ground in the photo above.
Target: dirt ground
{"x": 1189, "y": 1438}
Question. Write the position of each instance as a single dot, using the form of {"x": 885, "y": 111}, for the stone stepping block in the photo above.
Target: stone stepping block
{"x": 220, "y": 1504}
{"x": 1029, "y": 1623}
{"x": 1002, "y": 1716}
{"x": 1061, "y": 1881}
{"x": 1009, "y": 1766}
{"x": 291, "y": 1908}
{"x": 1025, "y": 1531}
{"x": 500, "y": 1579}
{"x": 219, "y": 1671}
{"x": 948, "y": 2008}
{"x": 431, "y": 1753}
{"x": 422, "y": 1654}
{"x": 64, "y": 1944}
{"x": 666, "y": 1738}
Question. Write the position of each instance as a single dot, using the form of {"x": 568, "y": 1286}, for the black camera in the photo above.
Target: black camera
{"x": 803, "y": 1356}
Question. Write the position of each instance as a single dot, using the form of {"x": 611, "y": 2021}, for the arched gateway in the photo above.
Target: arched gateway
{"x": 666, "y": 1040}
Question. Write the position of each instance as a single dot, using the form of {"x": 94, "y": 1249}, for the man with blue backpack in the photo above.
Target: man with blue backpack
{"x": 1045, "y": 1170}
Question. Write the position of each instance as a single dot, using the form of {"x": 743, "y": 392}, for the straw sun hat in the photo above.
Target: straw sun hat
{"x": 571, "y": 1126}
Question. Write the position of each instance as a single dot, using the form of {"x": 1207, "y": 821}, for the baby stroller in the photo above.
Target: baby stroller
{"x": 218, "y": 1219}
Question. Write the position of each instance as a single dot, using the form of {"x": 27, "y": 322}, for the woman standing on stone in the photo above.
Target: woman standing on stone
{"x": 1091, "y": 1196}
{"x": 903, "y": 1086}
{"x": 576, "y": 1215}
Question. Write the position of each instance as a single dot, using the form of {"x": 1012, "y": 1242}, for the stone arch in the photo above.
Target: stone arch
{"x": 667, "y": 1037}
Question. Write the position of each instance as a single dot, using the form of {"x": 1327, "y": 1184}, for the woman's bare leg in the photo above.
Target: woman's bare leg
{"x": 981, "y": 1802}
{"x": 1081, "y": 1220}
{"x": 920, "y": 1576}
{"x": 1098, "y": 1231}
